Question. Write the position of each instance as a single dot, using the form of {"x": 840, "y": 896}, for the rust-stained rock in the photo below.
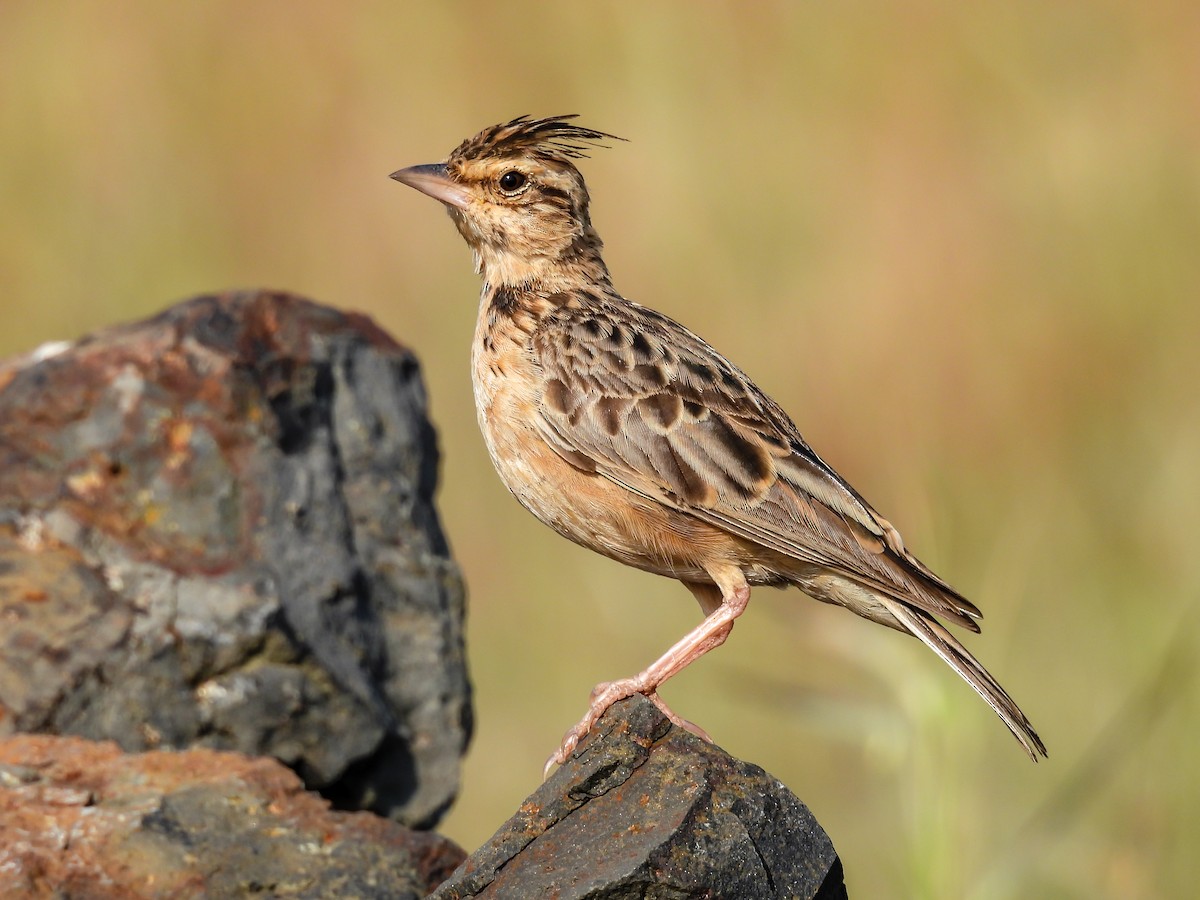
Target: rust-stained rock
{"x": 82, "y": 819}
{"x": 645, "y": 809}
{"x": 217, "y": 530}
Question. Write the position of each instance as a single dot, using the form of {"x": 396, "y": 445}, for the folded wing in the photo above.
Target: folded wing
{"x": 639, "y": 399}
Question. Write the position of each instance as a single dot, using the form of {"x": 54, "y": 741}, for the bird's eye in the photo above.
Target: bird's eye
{"x": 512, "y": 181}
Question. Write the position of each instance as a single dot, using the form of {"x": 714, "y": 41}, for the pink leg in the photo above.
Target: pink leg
{"x": 734, "y": 594}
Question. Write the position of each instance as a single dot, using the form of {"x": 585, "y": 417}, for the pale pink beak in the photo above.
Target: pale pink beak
{"x": 435, "y": 181}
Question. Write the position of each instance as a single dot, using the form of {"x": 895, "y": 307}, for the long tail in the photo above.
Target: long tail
{"x": 935, "y": 636}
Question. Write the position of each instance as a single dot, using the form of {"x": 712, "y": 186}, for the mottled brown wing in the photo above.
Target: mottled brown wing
{"x": 635, "y": 397}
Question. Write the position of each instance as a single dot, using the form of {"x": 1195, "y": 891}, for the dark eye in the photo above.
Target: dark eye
{"x": 512, "y": 181}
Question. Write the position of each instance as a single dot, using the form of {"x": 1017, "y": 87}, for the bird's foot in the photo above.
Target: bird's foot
{"x": 605, "y": 695}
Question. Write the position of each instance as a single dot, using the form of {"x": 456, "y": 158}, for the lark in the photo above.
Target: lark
{"x": 630, "y": 435}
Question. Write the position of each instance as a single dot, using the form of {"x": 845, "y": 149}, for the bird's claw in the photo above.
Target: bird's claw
{"x": 603, "y": 696}
{"x": 685, "y": 724}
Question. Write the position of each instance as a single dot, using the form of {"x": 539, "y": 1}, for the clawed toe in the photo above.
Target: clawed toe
{"x": 569, "y": 742}
{"x": 685, "y": 724}
{"x": 603, "y": 696}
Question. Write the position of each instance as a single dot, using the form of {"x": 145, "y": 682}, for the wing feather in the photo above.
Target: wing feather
{"x": 648, "y": 404}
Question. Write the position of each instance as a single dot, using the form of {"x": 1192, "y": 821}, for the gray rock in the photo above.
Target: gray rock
{"x": 81, "y": 819}
{"x": 217, "y": 529}
{"x": 645, "y": 809}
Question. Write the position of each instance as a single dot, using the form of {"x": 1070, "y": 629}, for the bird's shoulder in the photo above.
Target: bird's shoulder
{"x": 599, "y": 347}
{"x": 639, "y": 390}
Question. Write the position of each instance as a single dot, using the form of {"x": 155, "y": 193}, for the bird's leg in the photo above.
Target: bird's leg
{"x": 709, "y": 598}
{"x": 734, "y": 595}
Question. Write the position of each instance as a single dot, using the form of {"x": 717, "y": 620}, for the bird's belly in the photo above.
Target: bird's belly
{"x": 593, "y": 511}
{"x": 585, "y": 508}
{"x": 597, "y": 514}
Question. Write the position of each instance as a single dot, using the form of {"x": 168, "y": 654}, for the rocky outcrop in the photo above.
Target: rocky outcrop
{"x": 217, "y": 530}
{"x": 645, "y": 809}
{"x": 81, "y": 819}
{"x": 217, "y": 534}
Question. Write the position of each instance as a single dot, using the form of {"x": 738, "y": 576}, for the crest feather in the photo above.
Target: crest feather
{"x": 551, "y": 138}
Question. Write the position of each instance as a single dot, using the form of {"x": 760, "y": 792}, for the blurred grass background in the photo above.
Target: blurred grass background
{"x": 960, "y": 243}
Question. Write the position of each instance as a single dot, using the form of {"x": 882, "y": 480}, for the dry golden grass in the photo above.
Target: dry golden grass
{"x": 959, "y": 242}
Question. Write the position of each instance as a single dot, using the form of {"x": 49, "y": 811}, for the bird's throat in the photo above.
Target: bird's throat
{"x": 576, "y": 264}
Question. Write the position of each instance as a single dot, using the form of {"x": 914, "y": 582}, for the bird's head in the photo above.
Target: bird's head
{"x": 518, "y": 200}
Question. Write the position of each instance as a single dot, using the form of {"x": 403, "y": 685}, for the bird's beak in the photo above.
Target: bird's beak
{"x": 435, "y": 181}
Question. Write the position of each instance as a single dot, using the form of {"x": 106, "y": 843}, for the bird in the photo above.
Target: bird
{"x": 630, "y": 435}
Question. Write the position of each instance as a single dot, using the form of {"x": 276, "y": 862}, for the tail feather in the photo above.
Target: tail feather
{"x": 935, "y": 636}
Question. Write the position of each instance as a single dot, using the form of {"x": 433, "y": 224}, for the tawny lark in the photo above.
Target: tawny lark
{"x": 626, "y": 433}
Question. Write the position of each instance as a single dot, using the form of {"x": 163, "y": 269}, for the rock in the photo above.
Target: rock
{"x": 645, "y": 809}
{"x": 217, "y": 530}
{"x": 81, "y": 819}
